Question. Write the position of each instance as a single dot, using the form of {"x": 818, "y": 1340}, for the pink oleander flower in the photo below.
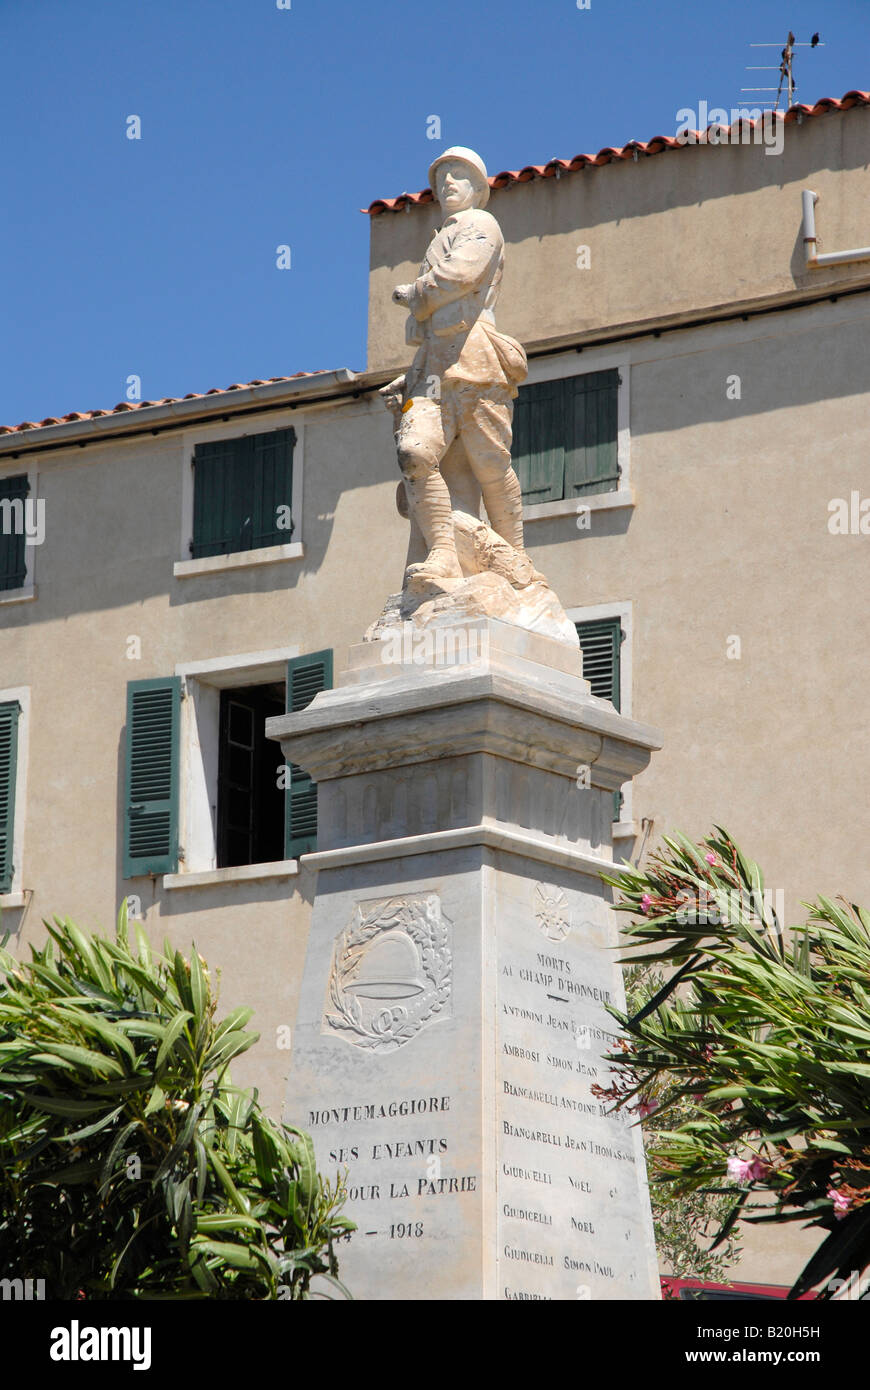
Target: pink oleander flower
{"x": 738, "y": 1168}
{"x": 647, "y": 1107}
{"x": 710, "y": 858}
{"x": 645, "y": 903}
{"x": 841, "y": 1202}
{"x": 747, "y": 1169}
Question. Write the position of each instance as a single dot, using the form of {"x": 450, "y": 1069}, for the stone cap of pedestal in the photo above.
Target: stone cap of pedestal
{"x": 497, "y": 701}
{"x": 446, "y": 641}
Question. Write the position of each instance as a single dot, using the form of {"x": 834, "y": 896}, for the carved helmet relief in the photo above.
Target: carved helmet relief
{"x": 391, "y": 972}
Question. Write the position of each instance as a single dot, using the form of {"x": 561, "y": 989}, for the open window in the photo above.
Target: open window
{"x": 250, "y": 799}
{"x": 206, "y": 790}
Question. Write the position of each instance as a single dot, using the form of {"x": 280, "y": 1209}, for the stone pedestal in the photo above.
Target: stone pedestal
{"x": 461, "y": 952}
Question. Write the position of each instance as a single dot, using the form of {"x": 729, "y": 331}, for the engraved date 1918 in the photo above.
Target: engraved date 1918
{"x": 401, "y": 1229}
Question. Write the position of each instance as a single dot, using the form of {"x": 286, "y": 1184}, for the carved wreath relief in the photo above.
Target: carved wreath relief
{"x": 391, "y": 972}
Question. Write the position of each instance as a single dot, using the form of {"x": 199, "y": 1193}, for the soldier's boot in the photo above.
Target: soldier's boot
{"x": 429, "y": 500}
{"x": 504, "y": 507}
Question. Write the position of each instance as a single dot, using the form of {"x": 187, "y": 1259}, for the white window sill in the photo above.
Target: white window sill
{"x": 624, "y": 830}
{"x": 14, "y": 899}
{"x": 238, "y": 560}
{"x": 570, "y": 506}
{"x": 238, "y": 873}
{"x": 23, "y": 595}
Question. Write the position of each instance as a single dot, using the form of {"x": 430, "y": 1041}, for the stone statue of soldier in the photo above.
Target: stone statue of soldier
{"x": 464, "y": 377}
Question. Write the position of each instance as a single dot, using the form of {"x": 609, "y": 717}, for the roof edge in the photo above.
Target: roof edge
{"x": 554, "y": 168}
{"x": 136, "y": 419}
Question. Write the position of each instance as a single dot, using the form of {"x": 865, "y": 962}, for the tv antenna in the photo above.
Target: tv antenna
{"x": 785, "y": 68}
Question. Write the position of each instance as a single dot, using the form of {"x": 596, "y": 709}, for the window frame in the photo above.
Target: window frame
{"x": 185, "y": 567}
{"x": 202, "y": 683}
{"x": 17, "y": 895}
{"x": 27, "y": 592}
{"x": 561, "y": 367}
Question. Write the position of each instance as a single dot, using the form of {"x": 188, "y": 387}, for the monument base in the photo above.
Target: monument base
{"x": 452, "y": 1020}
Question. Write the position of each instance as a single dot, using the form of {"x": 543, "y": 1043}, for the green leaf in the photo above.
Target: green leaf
{"x": 231, "y": 1045}
{"x": 64, "y": 1105}
{"x": 117, "y": 1147}
{"x": 210, "y": 1223}
{"x": 106, "y": 1032}
{"x": 170, "y": 1037}
{"x": 303, "y": 1153}
{"x": 72, "y": 1175}
{"x": 227, "y": 1183}
{"x": 65, "y": 1055}
{"x": 156, "y": 1101}
{"x": 143, "y": 946}
{"x": 236, "y": 1020}
{"x": 95, "y": 1128}
{"x": 198, "y": 989}
{"x": 236, "y": 1256}
{"x": 167, "y": 1163}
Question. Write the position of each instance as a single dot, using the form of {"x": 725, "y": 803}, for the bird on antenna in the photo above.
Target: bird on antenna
{"x": 814, "y": 40}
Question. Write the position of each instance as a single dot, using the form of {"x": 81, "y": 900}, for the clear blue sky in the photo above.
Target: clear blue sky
{"x": 263, "y": 126}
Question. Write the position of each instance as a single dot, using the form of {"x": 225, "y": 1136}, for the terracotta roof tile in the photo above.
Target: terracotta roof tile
{"x": 142, "y": 405}
{"x": 633, "y": 150}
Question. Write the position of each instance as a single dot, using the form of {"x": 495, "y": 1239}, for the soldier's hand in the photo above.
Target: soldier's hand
{"x": 402, "y": 294}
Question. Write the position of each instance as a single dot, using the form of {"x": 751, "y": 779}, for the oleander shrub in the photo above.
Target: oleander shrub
{"x": 130, "y": 1166}
{"x": 754, "y": 1054}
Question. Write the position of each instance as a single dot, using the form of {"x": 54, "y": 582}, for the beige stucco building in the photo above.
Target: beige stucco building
{"x": 698, "y": 399}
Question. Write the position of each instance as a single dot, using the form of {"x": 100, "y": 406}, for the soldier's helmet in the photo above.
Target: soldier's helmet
{"x": 473, "y": 163}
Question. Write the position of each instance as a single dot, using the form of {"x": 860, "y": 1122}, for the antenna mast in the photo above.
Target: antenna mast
{"x": 785, "y": 70}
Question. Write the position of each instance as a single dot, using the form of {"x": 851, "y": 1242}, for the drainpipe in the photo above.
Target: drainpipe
{"x": 815, "y": 262}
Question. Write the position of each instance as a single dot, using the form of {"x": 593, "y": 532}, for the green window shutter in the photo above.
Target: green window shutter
{"x": 9, "y": 714}
{"x": 238, "y": 487}
{"x": 306, "y": 675}
{"x": 217, "y": 477}
{"x": 600, "y": 643}
{"x": 151, "y": 783}
{"x": 13, "y": 549}
{"x": 538, "y": 447}
{"x": 272, "y": 457}
{"x": 590, "y": 461}
{"x": 565, "y": 437}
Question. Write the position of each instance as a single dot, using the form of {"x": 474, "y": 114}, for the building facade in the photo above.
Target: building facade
{"x": 692, "y": 443}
